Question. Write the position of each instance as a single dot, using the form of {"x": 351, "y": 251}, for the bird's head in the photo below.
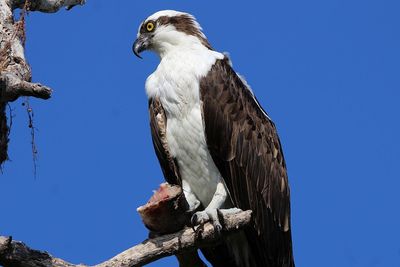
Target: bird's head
{"x": 168, "y": 30}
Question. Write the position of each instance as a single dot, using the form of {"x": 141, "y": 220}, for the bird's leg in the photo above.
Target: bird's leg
{"x": 194, "y": 206}
{"x": 194, "y": 203}
{"x": 214, "y": 207}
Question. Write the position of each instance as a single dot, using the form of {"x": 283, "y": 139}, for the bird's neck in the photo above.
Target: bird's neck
{"x": 173, "y": 49}
{"x": 172, "y": 43}
{"x": 179, "y": 72}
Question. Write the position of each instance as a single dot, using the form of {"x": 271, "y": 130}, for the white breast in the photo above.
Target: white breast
{"x": 176, "y": 83}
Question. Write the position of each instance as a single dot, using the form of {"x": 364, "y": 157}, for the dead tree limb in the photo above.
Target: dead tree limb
{"x": 47, "y": 6}
{"x": 15, "y": 253}
{"x": 15, "y": 72}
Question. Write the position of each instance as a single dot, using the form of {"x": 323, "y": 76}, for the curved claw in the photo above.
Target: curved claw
{"x": 217, "y": 229}
{"x": 193, "y": 220}
{"x": 201, "y": 217}
{"x": 198, "y": 232}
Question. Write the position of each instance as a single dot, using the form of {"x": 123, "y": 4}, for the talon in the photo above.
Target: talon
{"x": 193, "y": 220}
{"x": 217, "y": 229}
{"x": 198, "y": 232}
{"x": 200, "y": 217}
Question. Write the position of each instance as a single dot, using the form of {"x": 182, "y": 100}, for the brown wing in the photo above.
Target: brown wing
{"x": 245, "y": 147}
{"x": 158, "y": 126}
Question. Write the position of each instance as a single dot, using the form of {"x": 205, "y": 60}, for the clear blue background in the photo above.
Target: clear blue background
{"x": 326, "y": 71}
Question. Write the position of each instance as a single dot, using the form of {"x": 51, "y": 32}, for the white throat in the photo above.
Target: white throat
{"x": 182, "y": 65}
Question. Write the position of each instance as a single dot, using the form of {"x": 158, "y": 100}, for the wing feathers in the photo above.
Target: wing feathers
{"x": 158, "y": 126}
{"x": 245, "y": 147}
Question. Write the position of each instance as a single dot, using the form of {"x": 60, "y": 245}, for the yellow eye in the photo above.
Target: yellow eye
{"x": 150, "y": 26}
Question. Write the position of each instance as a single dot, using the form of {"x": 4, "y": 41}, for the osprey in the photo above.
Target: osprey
{"x": 213, "y": 138}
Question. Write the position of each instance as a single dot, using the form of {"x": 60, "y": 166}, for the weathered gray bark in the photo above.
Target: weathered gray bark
{"x": 15, "y": 73}
{"x": 47, "y": 6}
{"x": 14, "y": 253}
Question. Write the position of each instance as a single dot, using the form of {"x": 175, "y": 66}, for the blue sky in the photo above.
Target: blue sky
{"x": 326, "y": 71}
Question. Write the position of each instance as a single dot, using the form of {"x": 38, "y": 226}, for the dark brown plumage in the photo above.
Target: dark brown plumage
{"x": 158, "y": 126}
{"x": 245, "y": 147}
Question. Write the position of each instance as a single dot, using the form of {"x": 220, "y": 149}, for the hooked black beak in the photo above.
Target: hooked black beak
{"x": 139, "y": 46}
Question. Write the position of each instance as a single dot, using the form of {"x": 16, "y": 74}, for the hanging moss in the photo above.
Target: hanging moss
{"x": 4, "y": 132}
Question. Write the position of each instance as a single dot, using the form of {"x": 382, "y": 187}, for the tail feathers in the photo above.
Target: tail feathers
{"x": 246, "y": 249}
{"x": 219, "y": 256}
{"x": 234, "y": 251}
{"x": 240, "y": 249}
{"x": 190, "y": 259}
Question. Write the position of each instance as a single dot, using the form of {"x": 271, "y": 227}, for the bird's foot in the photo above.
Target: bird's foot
{"x": 199, "y": 218}
{"x": 211, "y": 215}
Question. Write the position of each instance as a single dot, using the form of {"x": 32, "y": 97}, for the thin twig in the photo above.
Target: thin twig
{"x": 31, "y": 125}
{"x": 11, "y": 117}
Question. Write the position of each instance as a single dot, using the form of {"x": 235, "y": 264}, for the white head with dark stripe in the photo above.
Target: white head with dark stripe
{"x": 169, "y": 30}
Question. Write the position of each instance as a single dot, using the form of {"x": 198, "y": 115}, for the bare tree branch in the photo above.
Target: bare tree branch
{"x": 15, "y": 253}
{"x": 15, "y": 72}
{"x": 47, "y": 6}
{"x": 13, "y": 87}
